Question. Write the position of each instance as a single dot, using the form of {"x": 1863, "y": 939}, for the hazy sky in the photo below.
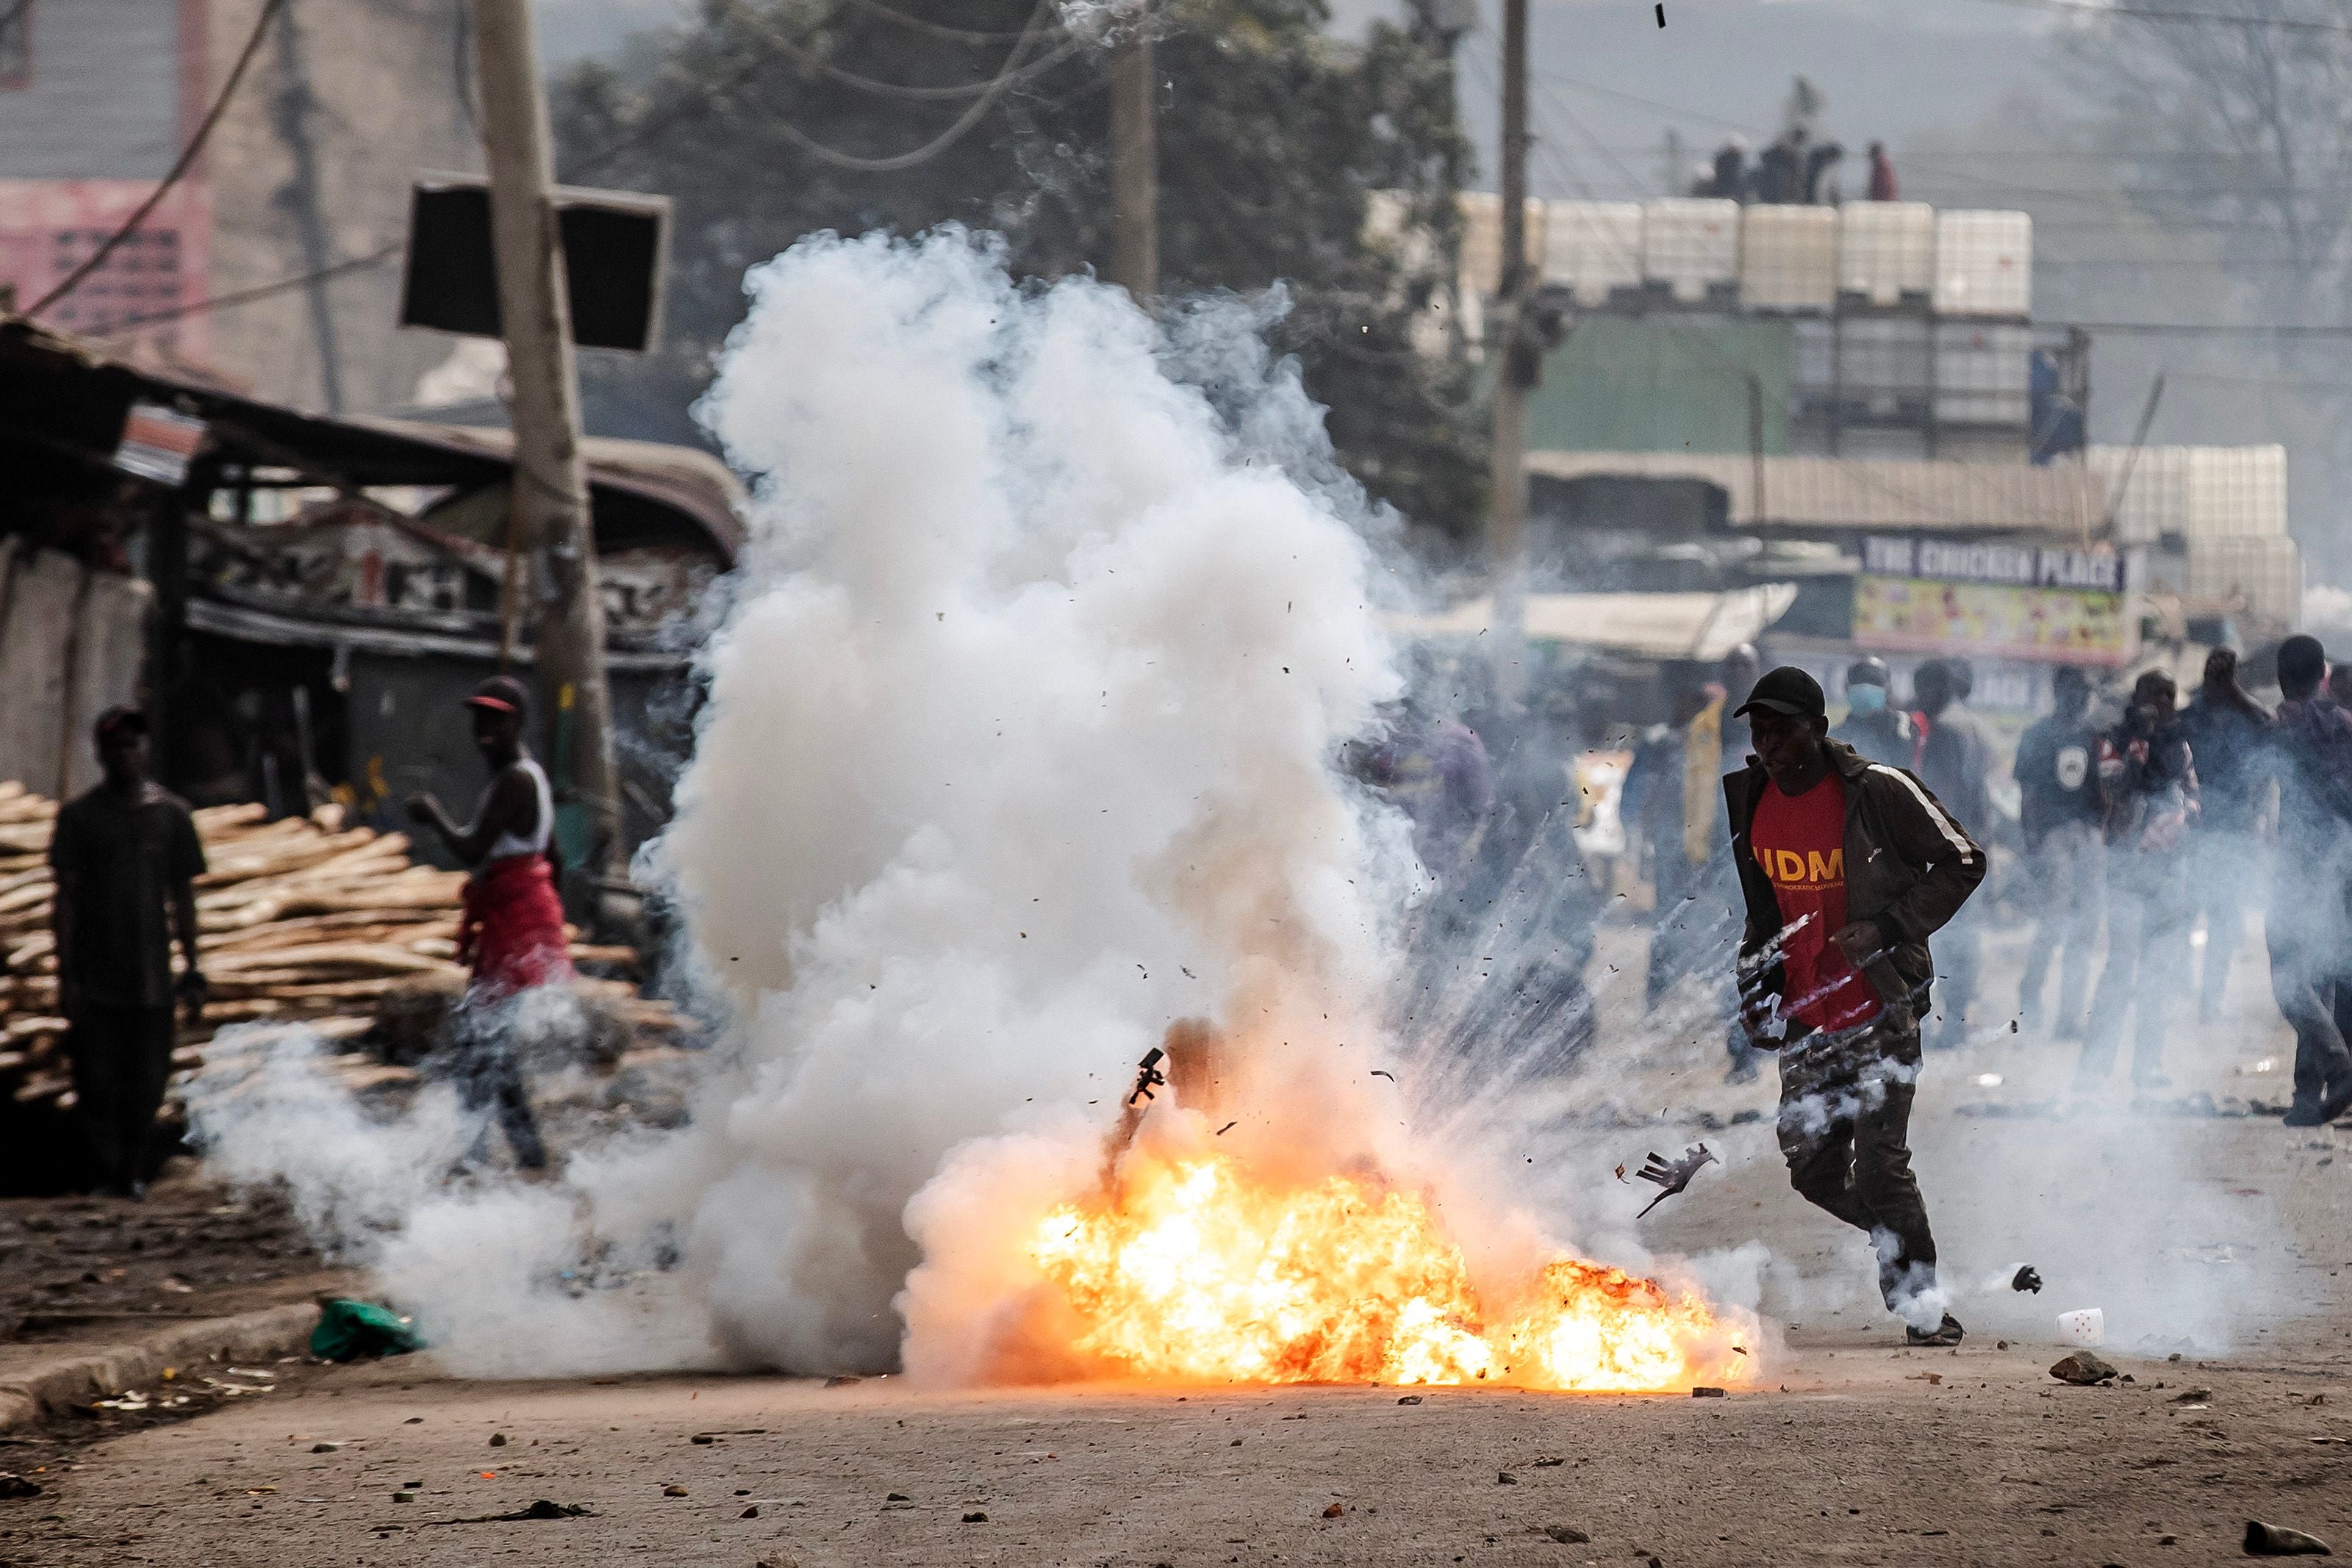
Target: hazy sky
{"x": 1971, "y": 97}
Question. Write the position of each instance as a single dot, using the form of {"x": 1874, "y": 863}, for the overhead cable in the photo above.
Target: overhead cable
{"x": 186, "y": 160}
{"x": 247, "y": 295}
{"x": 1006, "y": 76}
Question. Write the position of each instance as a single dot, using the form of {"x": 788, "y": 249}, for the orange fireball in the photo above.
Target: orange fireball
{"x": 1199, "y": 1274}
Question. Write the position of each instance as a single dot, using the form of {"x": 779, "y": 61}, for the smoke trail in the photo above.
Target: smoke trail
{"x": 1018, "y": 748}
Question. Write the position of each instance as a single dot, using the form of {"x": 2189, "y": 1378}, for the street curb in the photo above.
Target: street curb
{"x": 81, "y": 1375}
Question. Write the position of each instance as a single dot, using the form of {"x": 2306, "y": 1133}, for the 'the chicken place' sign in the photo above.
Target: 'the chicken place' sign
{"x": 2007, "y": 600}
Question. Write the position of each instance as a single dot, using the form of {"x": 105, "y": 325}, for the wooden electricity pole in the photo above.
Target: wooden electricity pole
{"x": 1507, "y": 510}
{"x": 1134, "y": 164}
{"x": 551, "y": 478}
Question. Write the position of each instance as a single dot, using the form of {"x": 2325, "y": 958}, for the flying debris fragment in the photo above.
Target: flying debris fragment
{"x": 1673, "y": 1175}
{"x": 2027, "y": 1279}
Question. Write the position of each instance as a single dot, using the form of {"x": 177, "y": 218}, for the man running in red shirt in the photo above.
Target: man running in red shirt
{"x": 1847, "y": 865}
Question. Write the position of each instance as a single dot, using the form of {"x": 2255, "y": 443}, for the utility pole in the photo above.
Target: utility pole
{"x": 551, "y": 478}
{"x": 1507, "y": 510}
{"x": 1134, "y": 162}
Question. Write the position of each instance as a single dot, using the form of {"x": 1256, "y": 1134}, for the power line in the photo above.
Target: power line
{"x": 247, "y": 295}
{"x": 1006, "y": 76}
{"x": 2206, "y": 18}
{"x": 917, "y": 94}
{"x": 188, "y": 154}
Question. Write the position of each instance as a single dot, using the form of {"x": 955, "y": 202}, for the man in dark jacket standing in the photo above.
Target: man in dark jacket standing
{"x": 2148, "y": 793}
{"x": 125, "y": 856}
{"x": 2058, "y": 807}
{"x": 2228, "y": 734}
{"x": 1955, "y": 764}
{"x": 1846, "y": 867}
{"x": 2310, "y": 871}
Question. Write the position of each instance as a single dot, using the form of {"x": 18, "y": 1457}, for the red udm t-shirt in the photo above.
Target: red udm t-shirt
{"x": 1800, "y": 842}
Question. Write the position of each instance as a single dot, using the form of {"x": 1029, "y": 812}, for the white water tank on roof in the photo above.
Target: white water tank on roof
{"x": 1882, "y": 366}
{"x": 1690, "y": 245}
{"x": 1984, "y": 263}
{"x": 2266, "y": 573}
{"x": 1983, "y": 372}
{"x": 1482, "y": 240}
{"x": 1886, "y": 250}
{"x": 1593, "y": 248}
{"x": 1788, "y": 257}
{"x": 2192, "y": 492}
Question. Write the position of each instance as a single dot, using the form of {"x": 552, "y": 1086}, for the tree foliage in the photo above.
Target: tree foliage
{"x": 1272, "y": 133}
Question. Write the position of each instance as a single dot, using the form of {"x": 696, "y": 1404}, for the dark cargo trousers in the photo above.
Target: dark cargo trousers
{"x": 1844, "y": 1128}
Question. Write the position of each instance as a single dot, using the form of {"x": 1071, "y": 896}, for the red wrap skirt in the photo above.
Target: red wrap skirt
{"x": 512, "y": 929}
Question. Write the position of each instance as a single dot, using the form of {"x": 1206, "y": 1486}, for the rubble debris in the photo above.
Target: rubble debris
{"x": 898, "y": 1497}
{"x": 841, "y": 1380}
{"x": 2027, "y": 1279}
{"x": 975, "y": 1517}
{"x": 1409, "y": 1399}
{"x": 2277, "y": 1541}
{"x": 1506, "y": 1479}
{"x": 2082, "y": 1368}
{"x": 1567, "y": 1535}
{"x": 674, "y": 1489}
{"x": 1672, "y": 1176}
{"x": 349, "y": 1329}
{"x": 1549, "y": 1462}
{"x": 1704, "y": 1393}
{"x": 12, "y": 1485}
{"x": 1334, "y": 1511}
{"x": 498, "y": 1440}
{"x": 326, "y": 1447}
{"x": 750, "y": 1512}
{"x": 702, "y": 1439}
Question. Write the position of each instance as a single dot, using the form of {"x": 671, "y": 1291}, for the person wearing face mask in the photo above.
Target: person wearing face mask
{"x": 2148, "y": 793}
{"x": 1872, "y": 725}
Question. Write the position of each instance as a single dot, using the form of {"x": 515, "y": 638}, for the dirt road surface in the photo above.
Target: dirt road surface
{"x": 1864, "y": 1460}
{"x": 2214, "y": 1240}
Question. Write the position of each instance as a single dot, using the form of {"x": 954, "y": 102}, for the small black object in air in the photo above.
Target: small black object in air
{"x": 1672, "y": 1175}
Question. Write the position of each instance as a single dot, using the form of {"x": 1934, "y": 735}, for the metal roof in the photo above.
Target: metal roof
{"x": 1858, "y": 493}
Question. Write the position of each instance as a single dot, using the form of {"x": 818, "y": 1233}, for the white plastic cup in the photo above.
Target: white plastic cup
{"x": 2088, "y": 1327}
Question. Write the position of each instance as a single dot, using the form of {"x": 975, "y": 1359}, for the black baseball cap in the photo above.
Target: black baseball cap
{"x": 1786, "y": 690}
{"x": 501, "y": 693}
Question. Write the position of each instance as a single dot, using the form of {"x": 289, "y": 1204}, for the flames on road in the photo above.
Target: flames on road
{"x": 1197, "y": 1271}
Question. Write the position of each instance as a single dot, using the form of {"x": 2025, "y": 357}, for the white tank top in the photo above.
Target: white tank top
{"x": 542, "y": 827}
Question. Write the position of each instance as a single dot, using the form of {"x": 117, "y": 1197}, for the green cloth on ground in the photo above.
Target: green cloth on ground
{"x": 349, "y": 1329}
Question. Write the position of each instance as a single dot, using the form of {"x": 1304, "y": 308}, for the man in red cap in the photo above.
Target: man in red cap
{"x": 512, "y": 933}
{"x": 125, "y": 856}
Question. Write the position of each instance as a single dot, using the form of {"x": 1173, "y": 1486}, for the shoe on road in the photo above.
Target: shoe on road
{"x": 1946, "y": 1333}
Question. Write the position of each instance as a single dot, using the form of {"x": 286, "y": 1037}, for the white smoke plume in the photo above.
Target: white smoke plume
{"x": 1019, "y": 746}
